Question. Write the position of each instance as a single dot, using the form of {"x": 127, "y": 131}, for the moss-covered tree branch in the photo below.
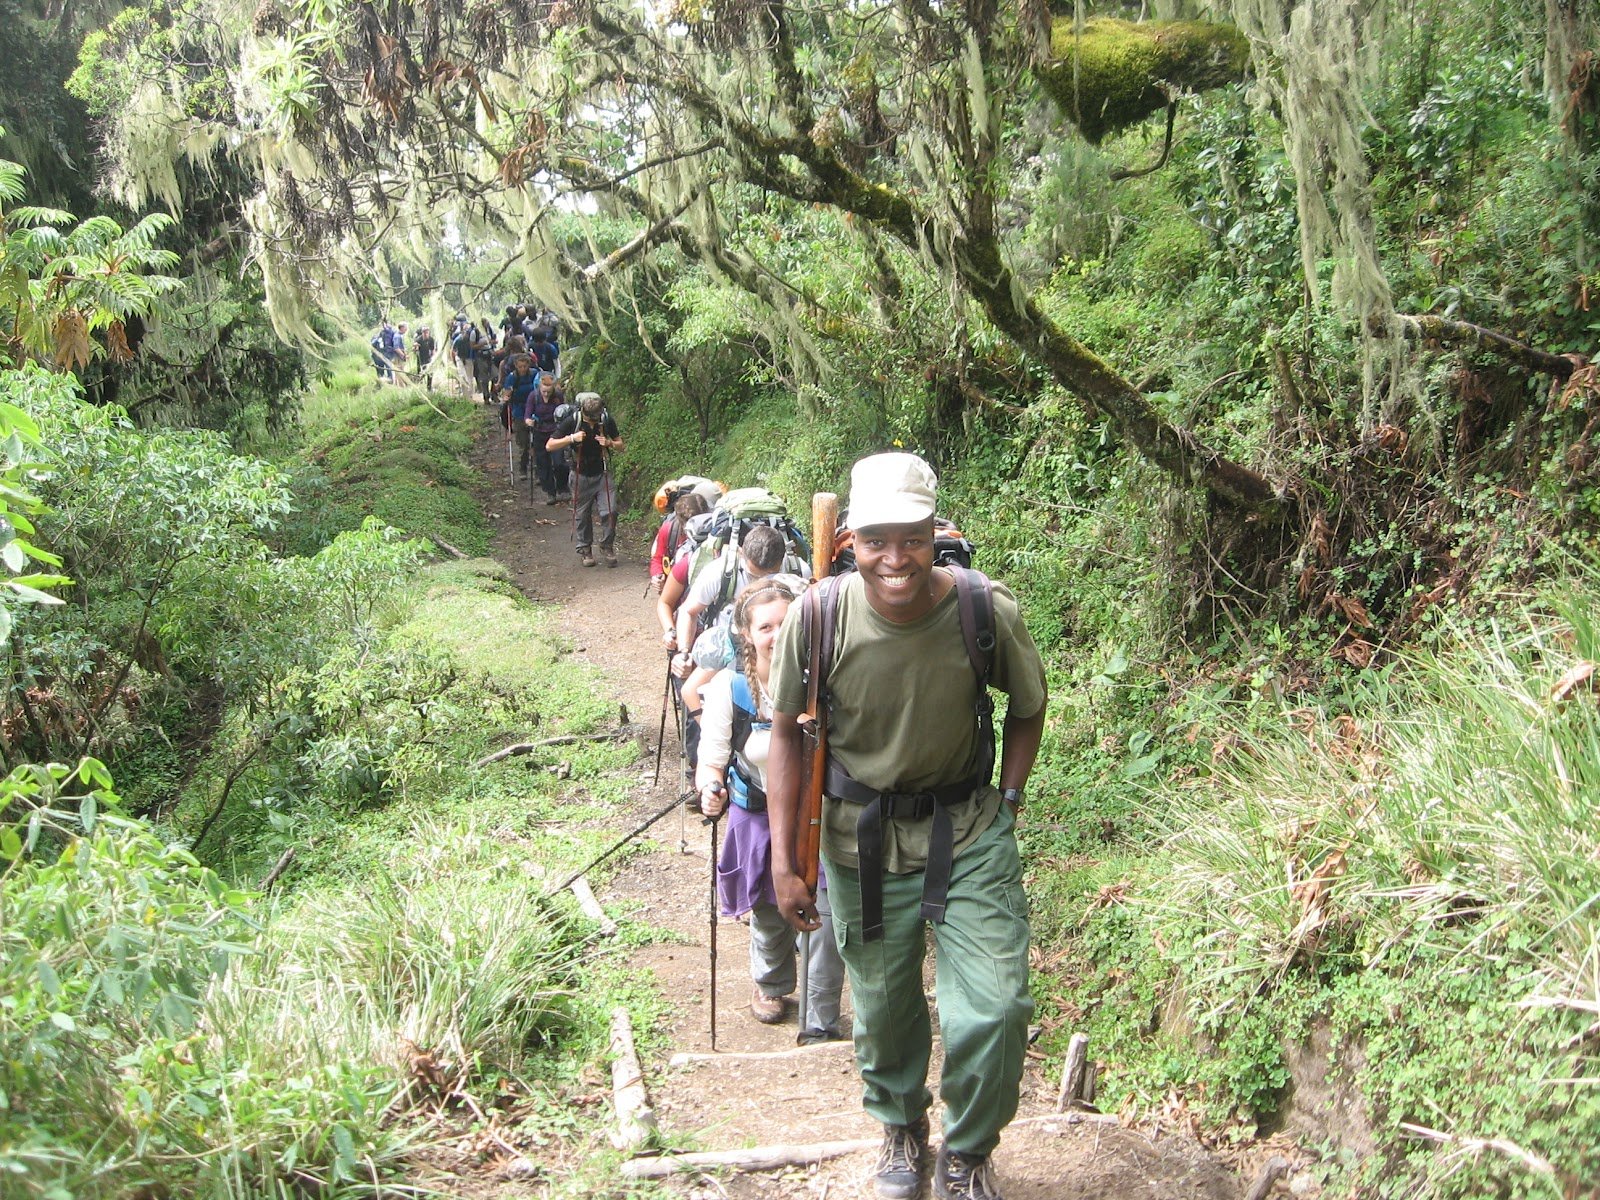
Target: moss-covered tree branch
{"x": 1111, "y": 74}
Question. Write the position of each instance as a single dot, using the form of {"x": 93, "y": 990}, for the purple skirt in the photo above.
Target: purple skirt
{"x": 744, "y": 868}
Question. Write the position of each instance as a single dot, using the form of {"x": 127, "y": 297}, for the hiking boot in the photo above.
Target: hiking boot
{"x": 767, "y": 1009}
{"x": 961, "y": 1176}
{"x": 553, "y": 500}
{"x": 901, "y": 1160}
{"x": 611, "y": 558}
{"x": 587, "y": 557}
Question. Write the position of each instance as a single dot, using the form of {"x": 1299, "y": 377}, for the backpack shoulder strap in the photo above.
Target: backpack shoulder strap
{"x": 975, "y": 607}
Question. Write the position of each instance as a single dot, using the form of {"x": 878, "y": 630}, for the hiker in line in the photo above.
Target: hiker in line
{"x": 912, "y": 830}
{"x": 591, "y": 434}
{"x": 735, "y": 729}
{"x": 761, "y": 553}
{"x": 686, "y": 505}
{"x": 550, "y": 466}
{"x": 462, "y": 339}
{"x": 384, "y": 351}
{"x": 483, "y": 364}
{"x": 517, "y": 388}
{"x": 426, "y": 348}
{"x": 400, "y": 332}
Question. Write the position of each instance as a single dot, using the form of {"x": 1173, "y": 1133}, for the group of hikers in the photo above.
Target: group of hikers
{"x": 482, "y": 353}
{"x": 479, "y": 354}
{"x": 856, "y": 707}
{"x": 390, "y": 353}
{"x": 839, "y": 734}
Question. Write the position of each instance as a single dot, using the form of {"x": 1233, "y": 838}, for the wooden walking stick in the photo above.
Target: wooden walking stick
{"x": 814, "y": 738}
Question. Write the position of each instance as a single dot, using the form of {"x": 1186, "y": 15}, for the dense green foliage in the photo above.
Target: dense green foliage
{"x": 1284, "y": 437}
{"x": 163, "y": 1030}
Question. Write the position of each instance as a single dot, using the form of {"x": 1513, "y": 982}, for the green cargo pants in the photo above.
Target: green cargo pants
{"x": 981, "y": 983}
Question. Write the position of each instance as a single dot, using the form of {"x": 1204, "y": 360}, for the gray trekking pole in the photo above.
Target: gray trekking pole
{"x": 511, "y": 453}
{"x": 712, "y": 942}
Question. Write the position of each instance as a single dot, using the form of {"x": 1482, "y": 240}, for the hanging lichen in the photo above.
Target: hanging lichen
{"x": 1312, "y": 61}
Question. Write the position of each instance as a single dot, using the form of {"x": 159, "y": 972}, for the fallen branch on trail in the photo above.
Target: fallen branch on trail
{"x": 768, "y": 1158}
{"x": 757, "y": 1158}
{"x": 565, "y": 739}
{"x": 686, "y": 1057}
{"x": 636, "y": 1120}
{"x": 446, "y": 546}
{"x": 591, "y": 907}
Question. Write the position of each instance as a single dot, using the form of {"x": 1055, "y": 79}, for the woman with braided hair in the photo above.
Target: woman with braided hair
{"x": 736, "y": 721}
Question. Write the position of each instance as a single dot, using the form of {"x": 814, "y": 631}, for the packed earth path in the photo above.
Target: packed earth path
{"x": 758, "y": 1089}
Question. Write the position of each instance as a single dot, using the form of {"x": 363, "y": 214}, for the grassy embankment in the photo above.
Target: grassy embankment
{"x": 404, "y": 983}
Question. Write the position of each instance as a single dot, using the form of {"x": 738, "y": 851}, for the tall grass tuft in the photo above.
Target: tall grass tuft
{"x": 1441, "y": 833}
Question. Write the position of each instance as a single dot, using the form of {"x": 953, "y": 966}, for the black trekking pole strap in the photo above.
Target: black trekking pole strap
{"x": 618, "y": 845}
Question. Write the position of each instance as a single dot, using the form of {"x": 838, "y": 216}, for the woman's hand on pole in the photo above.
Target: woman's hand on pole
{"x": 713, "y": 800}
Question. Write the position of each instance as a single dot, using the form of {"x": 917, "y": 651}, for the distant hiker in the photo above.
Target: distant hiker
{"x": 591, "y": 435}
{"x": 463, "y": 339}
{"x": 543, "y": 347}
{"x": 517, "y": 387}
{"x": 761, "y": 554}
{"x": 669, "y": 537}
{"x": 426, "y": 348}
{"x": 735, "y": 726}
{"x": 483, "y": 364}
{"x": 912, "y": 830}
{"x": 550, "y": 466}
{"x": 385, "y": 349}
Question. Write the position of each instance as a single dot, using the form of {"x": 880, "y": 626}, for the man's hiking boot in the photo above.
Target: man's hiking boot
{"x": 611, "y": 558}
{"x": 587, "y": 557}
{"x": 959, "y": 1176}
{"x": 767, "y": 1009}
{"x": 553, "y": 500}
{"x": 902, "y": 1159}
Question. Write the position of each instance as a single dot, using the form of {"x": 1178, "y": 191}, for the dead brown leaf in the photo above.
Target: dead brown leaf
{"x": 1579, "y": 676}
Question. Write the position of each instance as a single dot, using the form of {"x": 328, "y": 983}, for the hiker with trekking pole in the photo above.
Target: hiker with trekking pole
{"x": 591, "y": 434}
{"x": 898, "y": 657}
{"x": 735, "y": 729}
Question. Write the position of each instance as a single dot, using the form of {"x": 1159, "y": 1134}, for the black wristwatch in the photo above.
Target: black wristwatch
{"x": 1013, "y": 797}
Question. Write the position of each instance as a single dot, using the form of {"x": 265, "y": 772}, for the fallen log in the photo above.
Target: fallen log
{"x": 756, "y": 1158}
{"x": 768, "y": 1158}
{"x": 565, "y": 739}
{"x": 591, "y": 907}
{"x": 636, "y": 1120}
{"x": 446, "y": 547}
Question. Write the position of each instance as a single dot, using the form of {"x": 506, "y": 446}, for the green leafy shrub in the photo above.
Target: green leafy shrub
{"x": 110, "y": 939}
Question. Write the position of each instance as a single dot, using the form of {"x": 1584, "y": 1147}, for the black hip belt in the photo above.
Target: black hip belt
{"x": 878, "y": 807}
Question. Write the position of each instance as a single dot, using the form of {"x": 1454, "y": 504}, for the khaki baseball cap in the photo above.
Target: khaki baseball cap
{"x": 891, "y": 489}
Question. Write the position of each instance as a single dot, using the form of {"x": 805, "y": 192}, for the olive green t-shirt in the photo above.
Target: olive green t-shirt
{"x": 901, "y": 716}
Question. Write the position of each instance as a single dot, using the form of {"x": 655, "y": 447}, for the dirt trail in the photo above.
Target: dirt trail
{"x": 811, "y": 1096}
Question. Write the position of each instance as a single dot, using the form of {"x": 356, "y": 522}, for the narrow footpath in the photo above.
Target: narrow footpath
{"x": 758, "y": 1089}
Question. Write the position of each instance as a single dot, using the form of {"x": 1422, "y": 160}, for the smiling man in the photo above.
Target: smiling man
{"x": 913, "y": 830}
